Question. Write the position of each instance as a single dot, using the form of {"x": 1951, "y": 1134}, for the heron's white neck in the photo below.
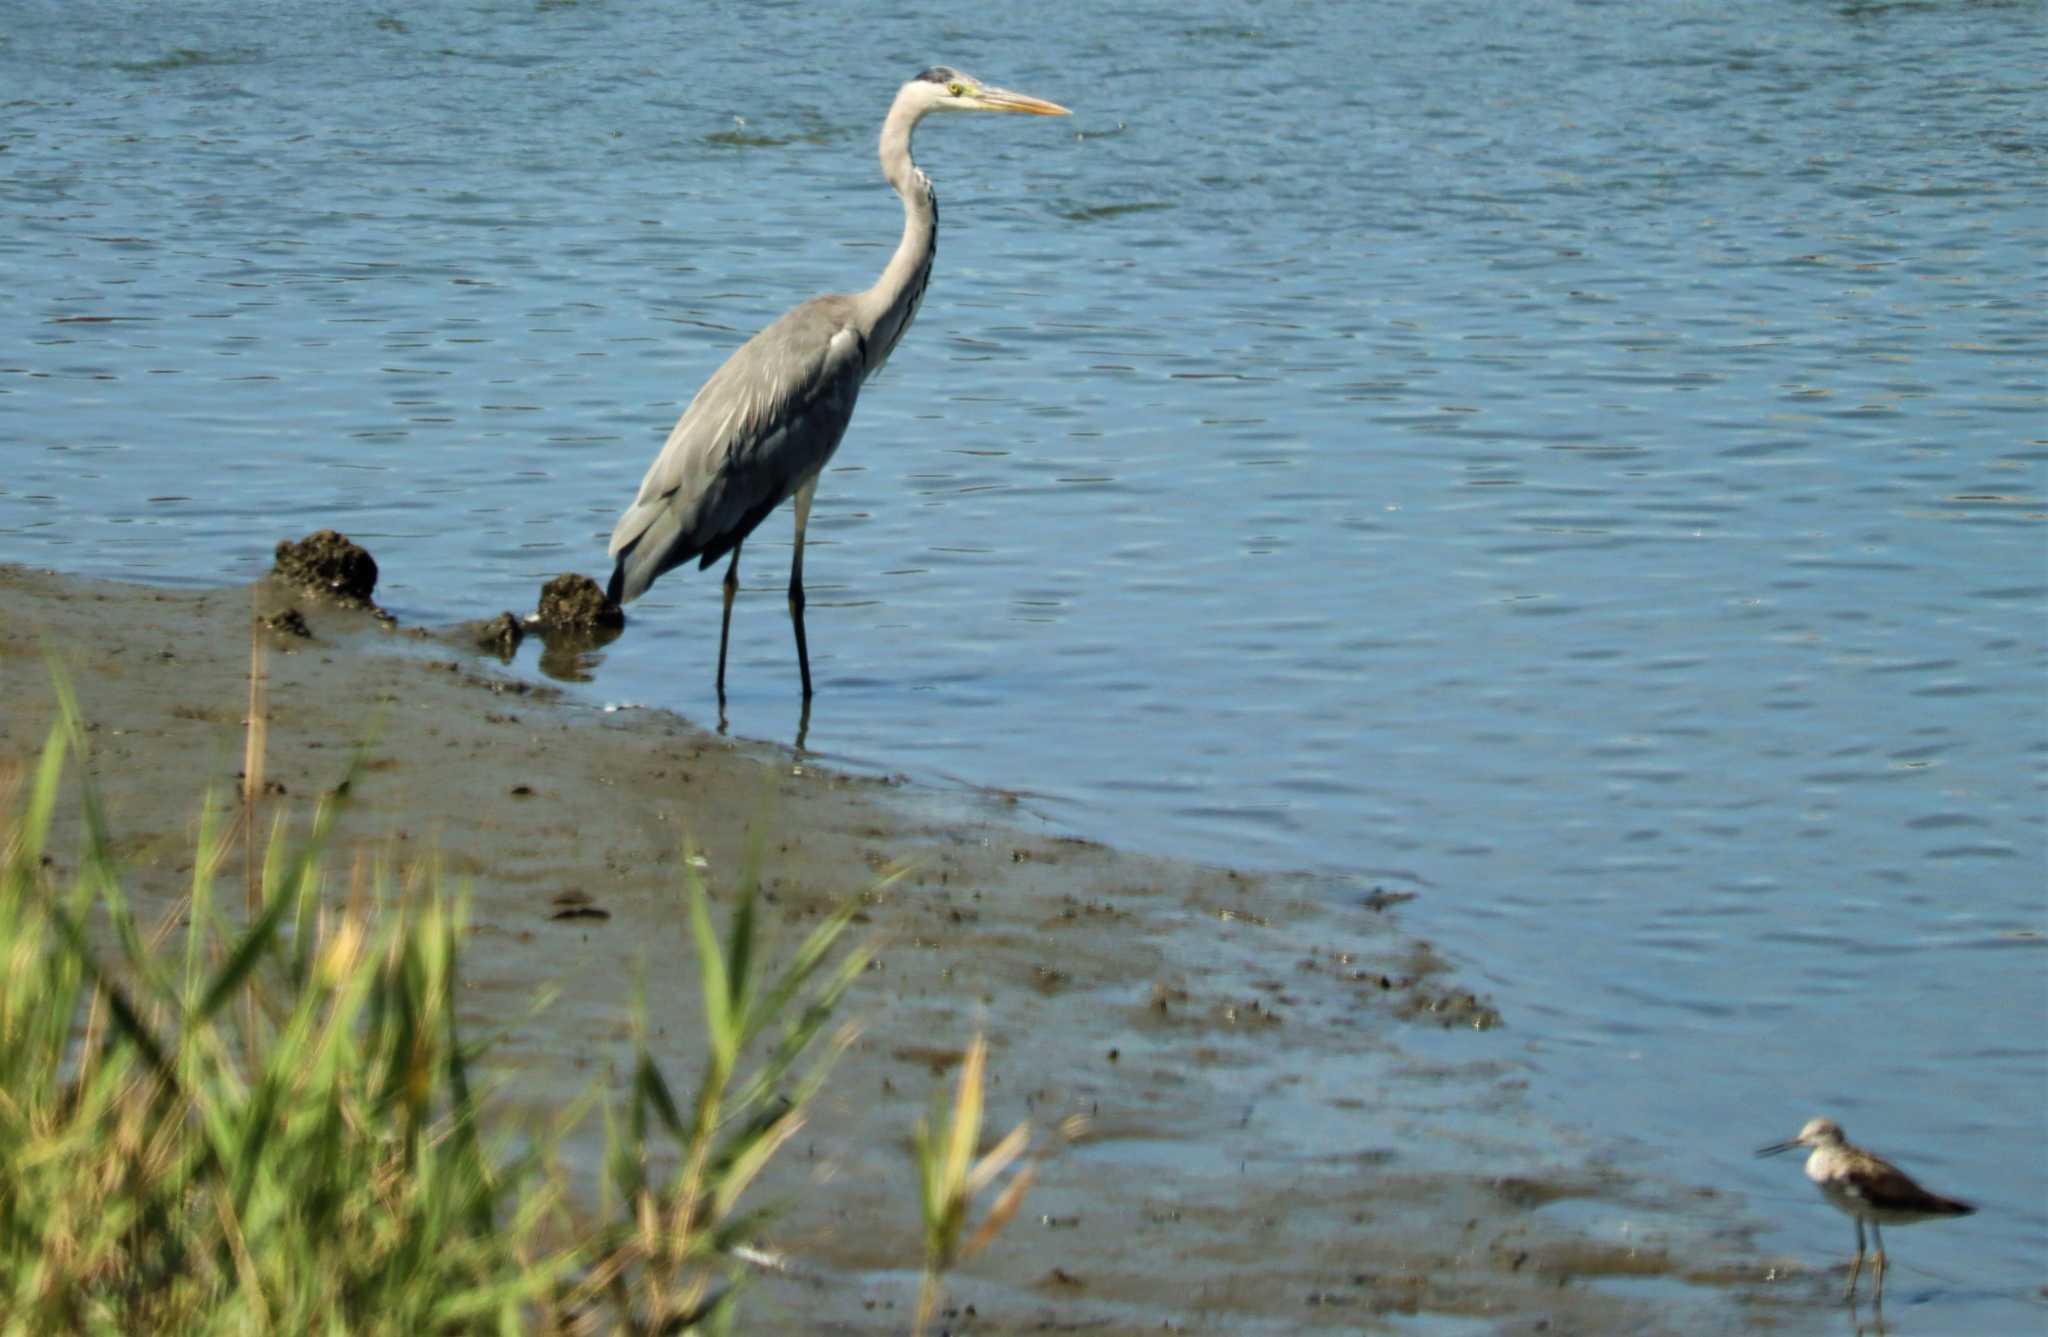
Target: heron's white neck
{"x": 885, "y": 310}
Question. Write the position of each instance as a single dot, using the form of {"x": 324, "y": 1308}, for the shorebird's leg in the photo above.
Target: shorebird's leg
{"x": 1878, "y": 1236}
{"x": 1856, "y": 1268}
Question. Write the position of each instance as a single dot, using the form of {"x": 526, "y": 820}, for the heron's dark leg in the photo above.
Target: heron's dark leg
{"x": 1877, "y": 1238}
{"x": 732, "y": 587}
{"x": 1856, "y": 1268}
{"x": 796, "y": 580}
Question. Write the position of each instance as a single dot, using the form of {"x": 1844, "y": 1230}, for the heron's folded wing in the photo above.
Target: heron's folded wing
{"x": 765, "y": 421}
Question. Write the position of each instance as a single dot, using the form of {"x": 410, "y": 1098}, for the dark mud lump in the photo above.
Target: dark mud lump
{"x": 289, "y": 622}
{"x": 499, "y": 636}
{"x": 326, "y": 563}
{"x": 576, "y": 603}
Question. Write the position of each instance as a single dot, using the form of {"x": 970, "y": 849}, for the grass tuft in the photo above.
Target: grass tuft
{"x": 273, "y": 1125}
{"x": 951, "y": 1177}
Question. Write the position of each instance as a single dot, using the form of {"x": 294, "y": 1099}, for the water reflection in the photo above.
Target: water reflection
{"x": 572, "y": 656}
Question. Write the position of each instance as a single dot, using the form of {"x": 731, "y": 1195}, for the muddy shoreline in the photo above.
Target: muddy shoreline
{"x": 1285, "y": 1135}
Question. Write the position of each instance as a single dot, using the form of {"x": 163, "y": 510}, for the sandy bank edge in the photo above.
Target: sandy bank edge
{"x": 1267, "y": 1151}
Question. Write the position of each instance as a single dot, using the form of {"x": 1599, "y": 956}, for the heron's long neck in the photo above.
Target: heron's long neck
{"x": 885, "y": 310}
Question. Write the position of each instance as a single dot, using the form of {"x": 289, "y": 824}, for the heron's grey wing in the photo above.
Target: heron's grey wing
{"x": 765, "y": 421}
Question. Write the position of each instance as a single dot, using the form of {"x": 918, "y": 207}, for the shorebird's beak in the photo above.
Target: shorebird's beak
{"x": 1777, "y": 1147}
{"x": 1002, "y": 99}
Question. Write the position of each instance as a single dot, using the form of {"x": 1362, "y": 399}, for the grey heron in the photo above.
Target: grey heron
{"x": 762, "y": 428}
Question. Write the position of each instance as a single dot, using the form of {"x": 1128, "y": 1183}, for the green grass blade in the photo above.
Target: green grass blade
{"x": 127, "y": 1020}
{"x": 200, "y": 908}
{"x": 42, "y": 803}
{"x": 248, "y": 951}
{"x": 653, "y": 1087}
{"x": 739, "y": 960}
{"x": 718, "y": 1019}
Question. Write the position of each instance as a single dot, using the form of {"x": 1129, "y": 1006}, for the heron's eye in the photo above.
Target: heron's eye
{"x": 957, "y": 89}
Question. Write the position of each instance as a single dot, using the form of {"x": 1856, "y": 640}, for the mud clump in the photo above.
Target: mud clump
{"x": 499, "y": 636}
{"x": 1457, "y": 1009}
{"x": 288, "y": 622}
{"x": 575, "y": 621}
{"x": 326, "y": 564}
{"x": 576, "y": 604}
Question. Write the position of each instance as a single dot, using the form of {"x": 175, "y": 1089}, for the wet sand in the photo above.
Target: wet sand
{"x": 1291, "y": 1128}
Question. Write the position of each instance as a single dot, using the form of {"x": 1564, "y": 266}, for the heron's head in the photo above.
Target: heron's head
{"x": 943, "y": 88}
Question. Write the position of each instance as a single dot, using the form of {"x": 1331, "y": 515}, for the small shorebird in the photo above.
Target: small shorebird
{"x": 1869, "y": 1188}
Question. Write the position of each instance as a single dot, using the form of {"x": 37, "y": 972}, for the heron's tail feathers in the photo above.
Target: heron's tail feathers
{"x": 648, "y": 543}
{"x": 636, "y": 568}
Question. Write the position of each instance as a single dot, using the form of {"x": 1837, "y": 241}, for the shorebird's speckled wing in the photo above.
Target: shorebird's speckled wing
{"x": 1885, "y": 1190}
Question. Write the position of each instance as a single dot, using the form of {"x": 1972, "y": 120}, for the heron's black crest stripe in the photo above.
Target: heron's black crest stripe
{"x": 939, "y": 74}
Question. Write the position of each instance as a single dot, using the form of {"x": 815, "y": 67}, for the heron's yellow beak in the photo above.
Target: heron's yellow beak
{"x": 1002, "y": 99}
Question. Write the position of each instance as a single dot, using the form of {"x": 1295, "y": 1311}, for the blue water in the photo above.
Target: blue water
{"x": 1581, "y": 462}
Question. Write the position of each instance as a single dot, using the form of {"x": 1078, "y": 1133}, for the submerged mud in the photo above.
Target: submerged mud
{"x": 1296, "y": 1118}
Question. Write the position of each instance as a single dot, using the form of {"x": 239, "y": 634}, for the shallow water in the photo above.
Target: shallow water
{"x": 1579, "y": 462}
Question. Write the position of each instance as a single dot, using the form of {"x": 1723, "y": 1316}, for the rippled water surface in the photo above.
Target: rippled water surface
{"x": 1581, "y": 462}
